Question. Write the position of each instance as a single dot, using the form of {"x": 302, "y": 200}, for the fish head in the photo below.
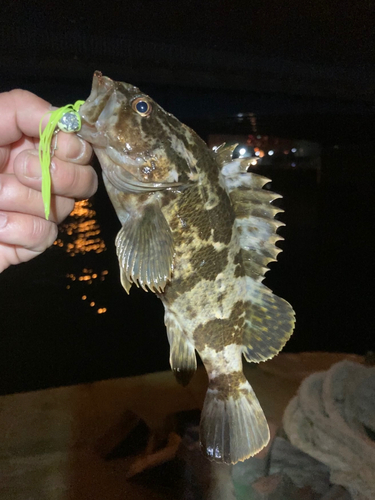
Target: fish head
{"x": 135, "y": 137}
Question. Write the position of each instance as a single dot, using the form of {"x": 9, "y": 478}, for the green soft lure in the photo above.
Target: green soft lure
{"x": 66, "y": 119}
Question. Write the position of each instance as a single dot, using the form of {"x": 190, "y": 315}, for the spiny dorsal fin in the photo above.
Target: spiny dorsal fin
{"x": 224, "y": 153}
{"x": 255, "y": 223}
{"x": 269, "y": 319}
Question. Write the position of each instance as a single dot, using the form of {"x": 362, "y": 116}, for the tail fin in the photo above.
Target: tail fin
{"x": 233, "y": 426}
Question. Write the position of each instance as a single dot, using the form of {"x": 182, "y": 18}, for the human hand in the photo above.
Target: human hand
{"x": 24, "y": 232}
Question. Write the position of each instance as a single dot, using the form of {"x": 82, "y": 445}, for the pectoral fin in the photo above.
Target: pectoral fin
{"x": 145, "y": 250}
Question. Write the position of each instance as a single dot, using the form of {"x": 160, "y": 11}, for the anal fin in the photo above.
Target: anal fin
{"x": 182, "y": 358}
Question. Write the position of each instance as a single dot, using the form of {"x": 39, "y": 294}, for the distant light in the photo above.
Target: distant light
{"x": 257, "y": 153}
{"x": 92, "y": 304}
{"x": 294, "y": 150}
{"x": 271, "y": 152}
{"x": 84, "y": 297}
{"x": 242, "y": 151}
{"x": 293, "y": 164}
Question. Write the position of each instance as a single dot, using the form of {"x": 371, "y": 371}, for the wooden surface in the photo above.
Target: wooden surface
{"x": 53, "y": 442}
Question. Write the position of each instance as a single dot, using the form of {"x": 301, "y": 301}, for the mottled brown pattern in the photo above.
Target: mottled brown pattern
{"x": 218, "y": 333}
{"x": 191, "y": 212}
{"x": 208, "y": 262}
{"x": 153, "y": 129}
{"x": 239, "y": 270}
{"x": 228, "y": 384}
{"x": 193, "y": 143}
{"x": 168, "y": 197}
{"x": 179, "y": 286}
{"x": 211, "y": 168}
{"x": 222, "y": 218}
{"x": 238, "y": 258}
{"x": 192, "y": 312}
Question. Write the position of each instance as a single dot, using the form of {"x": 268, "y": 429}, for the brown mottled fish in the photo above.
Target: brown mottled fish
{"x": 199, "y": 231}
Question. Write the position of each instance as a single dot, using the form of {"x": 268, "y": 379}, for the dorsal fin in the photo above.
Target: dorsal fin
{"x": 224, "y": 153}
{"x": 269, "y": 319}
{"x": 255, "y": 223}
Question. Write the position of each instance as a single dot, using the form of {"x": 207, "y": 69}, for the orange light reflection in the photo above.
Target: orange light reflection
{"x": 82, "y": 230}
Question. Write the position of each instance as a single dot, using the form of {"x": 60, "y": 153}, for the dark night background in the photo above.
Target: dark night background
{"x": 304, "y": 69}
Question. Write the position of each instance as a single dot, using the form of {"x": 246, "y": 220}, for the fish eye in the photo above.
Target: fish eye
{"x": 142, "y": 106}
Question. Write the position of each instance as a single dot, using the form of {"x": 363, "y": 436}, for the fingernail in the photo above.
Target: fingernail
{"x": 76, "y": 148}
{"x": 31, "y": 168}
{"x": 3, "y": 220}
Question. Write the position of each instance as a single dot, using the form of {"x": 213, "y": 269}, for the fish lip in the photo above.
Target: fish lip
{"x": 91, "y": 134}
{"x": 100, "y": 85}
{"x": 101, "y": 90}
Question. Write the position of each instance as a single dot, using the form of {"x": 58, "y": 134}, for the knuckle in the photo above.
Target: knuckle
{"x": 18, "y": 93}
{"x": 73, "y": 180}
{"x": 37, "y": 230}
{"x": 91, "y": 181}
{"x": 4, "y": 156}
{"x": 64, "y": 207}
{"x": 5, "y": 187}
{"x": 87, "y": 153}
{"x": 42, "y": 233}
{"x": 64, "y": 177}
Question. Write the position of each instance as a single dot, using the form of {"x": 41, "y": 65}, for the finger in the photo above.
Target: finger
{"x": 16, "y": 197}
{"x": 21, "y": 112}
{"x": 73, "y": 149}
{"x": 4, "y": 156}
{"x": 33, "y": 233}
{"x": 68, "y": 179}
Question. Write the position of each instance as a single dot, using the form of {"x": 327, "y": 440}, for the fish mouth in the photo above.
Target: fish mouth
{"x": 101, "y": 91}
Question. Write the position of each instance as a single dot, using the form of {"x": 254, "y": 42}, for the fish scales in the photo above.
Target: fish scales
{"x": 199, "y": 231}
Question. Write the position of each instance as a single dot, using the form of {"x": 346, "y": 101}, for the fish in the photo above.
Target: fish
{"x": 198, "y": 230}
